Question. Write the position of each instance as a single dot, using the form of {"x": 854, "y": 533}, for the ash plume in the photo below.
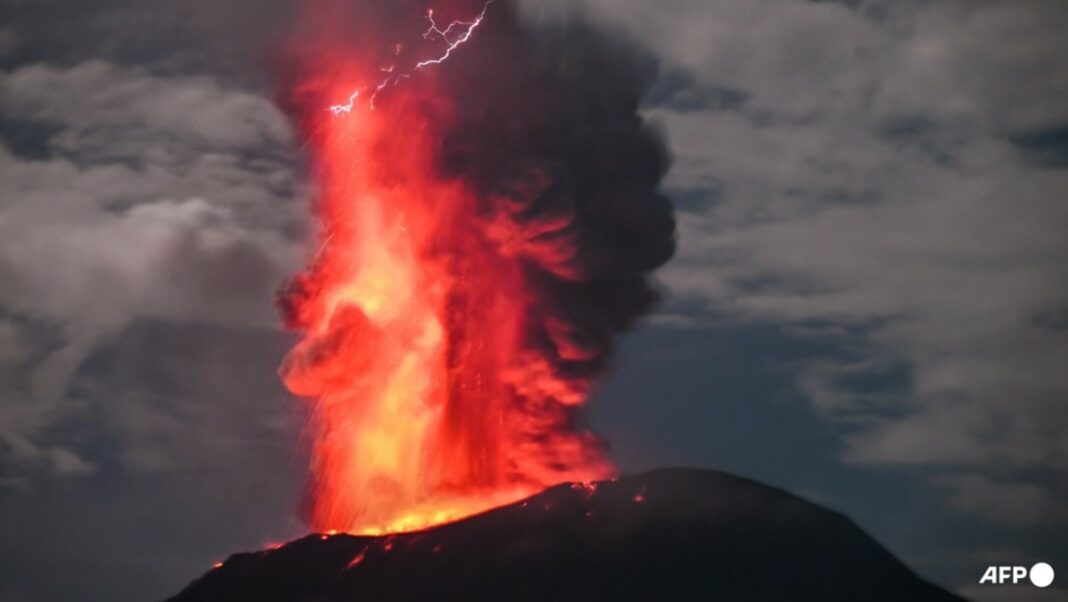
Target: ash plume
{"x": 546, "y": 127}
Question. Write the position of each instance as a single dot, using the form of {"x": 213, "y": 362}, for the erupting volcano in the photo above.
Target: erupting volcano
{"x": 488, "y": 216}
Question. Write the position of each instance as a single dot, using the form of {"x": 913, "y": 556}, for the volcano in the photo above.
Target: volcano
{"x": 669, "y": 534}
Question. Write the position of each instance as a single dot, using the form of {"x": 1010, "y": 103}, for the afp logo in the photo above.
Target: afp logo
{"x": 1041, "y": 575}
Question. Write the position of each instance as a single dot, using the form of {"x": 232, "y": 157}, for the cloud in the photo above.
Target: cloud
{"x": 143, "y": 196}
{"x": 1011, "y": 503}
{"x": 64, "y": 462}
{"x": 872, "y": 188}
{"x": 193, "y": 440}
{"x": 94, "y": 98}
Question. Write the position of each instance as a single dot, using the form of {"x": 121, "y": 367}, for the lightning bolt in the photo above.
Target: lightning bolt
{"x": 345, "y": 108}
{"x": 460, "y": 31}
{"x": 444, "y": 33}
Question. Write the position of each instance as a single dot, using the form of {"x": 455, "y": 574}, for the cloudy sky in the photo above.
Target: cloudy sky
{"x": 868, "y": 307}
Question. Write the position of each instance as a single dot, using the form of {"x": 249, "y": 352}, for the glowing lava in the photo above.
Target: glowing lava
{"x": 432, "y": 399}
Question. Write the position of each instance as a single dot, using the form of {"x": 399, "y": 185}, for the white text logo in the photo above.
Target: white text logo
{"x": 1041, "y": 575}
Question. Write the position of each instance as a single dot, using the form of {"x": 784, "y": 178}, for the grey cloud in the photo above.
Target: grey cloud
{"x": 186, "y": 395}
{"x": 678, "y": 89}
{"x": 1046, "y": 147}
{"x": 161, "y": 196}
{"x": 789, "y": 58}
{"x": 102, "y": 105}
{"x": 1011, "y": 502}
{"x": 127, "y": 134}
{"x": 231, "y": 39}
{"x": 64, "y": 462}
{"x": 949, "y": 242}
{"x": 195, "y": 442}
{"x": 996, "y": 65}
{"x": 1000, "y": 65}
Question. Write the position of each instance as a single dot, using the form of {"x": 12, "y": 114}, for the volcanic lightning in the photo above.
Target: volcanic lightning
{"x": 444, "y": 33}
{"x": 347, "y": 107}
{"x": 467, "y": 28}
{"x": 484, "y": 231}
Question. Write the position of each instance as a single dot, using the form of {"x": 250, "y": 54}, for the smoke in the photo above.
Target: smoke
{"x": 505, "y": 196}
{"x": 545, "y": 127}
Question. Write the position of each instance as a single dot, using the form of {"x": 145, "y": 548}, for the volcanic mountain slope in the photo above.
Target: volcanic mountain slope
{"x": 672, "y": 534}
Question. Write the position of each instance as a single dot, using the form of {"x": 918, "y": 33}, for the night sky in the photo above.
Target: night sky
{"x": 868, "y": 307}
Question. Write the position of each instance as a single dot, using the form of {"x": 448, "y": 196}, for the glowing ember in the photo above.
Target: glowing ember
{"x": 445, "y": 376}
{"x": 357, "y": 559}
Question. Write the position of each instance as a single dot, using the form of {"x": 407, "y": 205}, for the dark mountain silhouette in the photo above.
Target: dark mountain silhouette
{"x": 672, "y": 534}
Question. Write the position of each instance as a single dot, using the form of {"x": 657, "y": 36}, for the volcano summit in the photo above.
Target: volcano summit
{"x": 671, "y": 534}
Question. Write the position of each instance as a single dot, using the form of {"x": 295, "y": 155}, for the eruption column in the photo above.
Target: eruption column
{"x": 475, "y": 259}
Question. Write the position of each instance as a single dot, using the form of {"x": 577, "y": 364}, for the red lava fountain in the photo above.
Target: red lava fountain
{"x": 436, "y": 368}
